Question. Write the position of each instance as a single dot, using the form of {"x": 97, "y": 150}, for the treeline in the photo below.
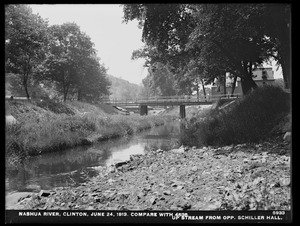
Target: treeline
{"x": 61, "y": 57}
{"x": 122, "y": 89}
{"x": 189, "y": 45}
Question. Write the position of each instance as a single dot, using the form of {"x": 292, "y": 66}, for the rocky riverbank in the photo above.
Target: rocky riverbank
{"x": 237, "y": 177}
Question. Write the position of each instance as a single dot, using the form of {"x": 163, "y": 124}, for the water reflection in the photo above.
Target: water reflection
{"x": 76, "y": 165}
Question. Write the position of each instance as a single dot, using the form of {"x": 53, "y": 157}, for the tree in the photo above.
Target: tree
{"x": 93, "y": 83}
{"x": 220, "y": 38}
{"x": 61, "y": 64}
{"x": 234, "y": 31}
{"x": 165, "y": 32}
{"x": 25, "y": 42}
{"x": 72, "y": 64}
{"x": 277, "y": 24}
{"x": 148, "y": 91}
{"x": 163, "y": 83}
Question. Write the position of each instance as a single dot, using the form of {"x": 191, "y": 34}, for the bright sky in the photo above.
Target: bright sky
{"x": 115, "y": 41}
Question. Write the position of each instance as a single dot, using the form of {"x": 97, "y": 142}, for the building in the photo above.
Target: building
{"x": 261, "y": 76}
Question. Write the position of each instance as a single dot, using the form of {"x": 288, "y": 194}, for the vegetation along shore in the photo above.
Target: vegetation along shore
{"x": 55, "y": 126}
{"x": 250, "y": 173}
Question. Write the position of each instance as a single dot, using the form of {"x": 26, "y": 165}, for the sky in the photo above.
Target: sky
{"x": 114, "y": 41}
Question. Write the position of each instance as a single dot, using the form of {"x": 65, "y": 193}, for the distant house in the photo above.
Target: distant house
{"x": 261, "y": 76}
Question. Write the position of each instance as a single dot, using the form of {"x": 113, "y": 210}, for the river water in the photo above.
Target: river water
{"x": 76, "y": 165}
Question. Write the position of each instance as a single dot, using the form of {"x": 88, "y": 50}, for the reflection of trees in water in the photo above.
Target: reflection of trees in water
{"x": 62, "y": 168}
{"x": 74, "y": 158}
{"x": 69, "y": 167}
{"x": 172, "y": 128}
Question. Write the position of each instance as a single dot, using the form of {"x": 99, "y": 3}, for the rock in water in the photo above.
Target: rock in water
{"x": 44, "y": 193}
{"x": 121, "y": 163}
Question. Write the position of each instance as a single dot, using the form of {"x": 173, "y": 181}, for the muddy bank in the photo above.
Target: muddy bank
{"x": 240, "y": 177}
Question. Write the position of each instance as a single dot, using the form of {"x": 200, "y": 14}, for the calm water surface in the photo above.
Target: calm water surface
{"x": 77, "y": 165}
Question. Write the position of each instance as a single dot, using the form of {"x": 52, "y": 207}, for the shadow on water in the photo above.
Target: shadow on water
{"x": 77, "y": 165}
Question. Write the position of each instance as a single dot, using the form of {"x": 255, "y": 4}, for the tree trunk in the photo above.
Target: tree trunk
{"x": 246, "y": 80}
{"x": 224, "y": 84}
{"x": 197, "y": 89}
{"x": 25, "y": 85}
{"x": 247, "y": 83}
{"x": 79, "y": 95}
{"x": 66, "y": 85}
{"x": 285, "y": 52}
{"x": 219, "y": 83}
{"x": 286, "y": 70}
{"x": 204, "y": 92}
{"x": 65, "y": 95}
{"x": 233, "y": 85}
{"x": 65, "y": 90}
{"x": 26, "y": 91}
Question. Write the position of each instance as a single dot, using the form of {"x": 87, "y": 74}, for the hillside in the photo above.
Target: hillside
{"x": 121, "y": 89}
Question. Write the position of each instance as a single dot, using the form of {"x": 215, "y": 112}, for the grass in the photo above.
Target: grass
{"x": 40, "y": 130}
{"x": 251, "y": 120}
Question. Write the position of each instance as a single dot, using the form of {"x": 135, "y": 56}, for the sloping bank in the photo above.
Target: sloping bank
{"x": 250, "y": 119}
{"x": 40, "y": 130}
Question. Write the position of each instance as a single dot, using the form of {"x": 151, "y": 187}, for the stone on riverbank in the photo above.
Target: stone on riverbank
{"x": 180, "y": 150}
{"x": 121, "y": 163}
{"x": 44, "y": 193}
{"x": 10, "y": 120}
{"x": 210, "y": 179}
{"x": 12, "y": 200}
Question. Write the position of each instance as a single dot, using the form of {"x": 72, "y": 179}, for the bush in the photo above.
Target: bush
{"x": 251, "y": 120}
{"x": 54, "y": 106}
{"x": 14, "y": 153}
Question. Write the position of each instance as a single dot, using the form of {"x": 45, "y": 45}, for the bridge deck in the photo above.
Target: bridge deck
{"x": 161, "y": 103}
{"x": 169, "y": 100}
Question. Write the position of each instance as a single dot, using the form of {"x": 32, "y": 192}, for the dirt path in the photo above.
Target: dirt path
{"x": 241, "y": 177}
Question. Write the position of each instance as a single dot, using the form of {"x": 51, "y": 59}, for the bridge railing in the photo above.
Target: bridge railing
{"x": 185, "y": 98}
{"x": 10, "y": 98}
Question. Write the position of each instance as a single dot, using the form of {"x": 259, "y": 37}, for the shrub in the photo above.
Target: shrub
{"x": 251, "y": 120}
{"x": 54, "y": 106}
{"x": 13, "y": 150}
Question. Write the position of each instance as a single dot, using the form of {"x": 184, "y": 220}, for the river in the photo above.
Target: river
{"x": 76, "y": 165}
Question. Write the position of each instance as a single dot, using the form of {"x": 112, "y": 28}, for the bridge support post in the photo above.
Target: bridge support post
{"x": 182, "y": 111}
{"x": 143, "y": 109}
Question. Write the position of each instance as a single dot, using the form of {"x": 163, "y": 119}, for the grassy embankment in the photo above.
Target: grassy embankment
{"x": 251, "y": 119}
{"x": 49, "y": 126}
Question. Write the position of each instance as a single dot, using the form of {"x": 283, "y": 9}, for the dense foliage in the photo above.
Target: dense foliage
{"x": 212, "y": 39}
{"x": 250, "y": 120}
{"x": 59, "y": 56}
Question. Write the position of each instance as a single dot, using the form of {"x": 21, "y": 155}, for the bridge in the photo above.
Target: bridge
{"x": 9, "y": 98}
{"x": 181, "y": 101}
